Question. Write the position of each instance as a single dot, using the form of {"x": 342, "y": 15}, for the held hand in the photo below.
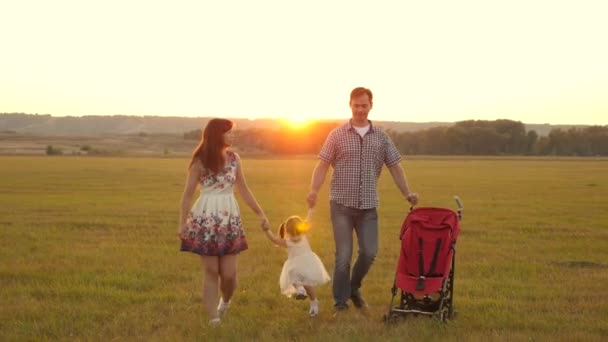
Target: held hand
{"x": 264, "y": 224}
{"x": 311, "y": 199}
{"x": 309, "y": 215}
{"x": 412, "y": 197}
{"x": 182, "y": 231}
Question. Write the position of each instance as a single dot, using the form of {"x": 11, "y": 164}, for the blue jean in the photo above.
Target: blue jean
{"x": 365, "y": 224}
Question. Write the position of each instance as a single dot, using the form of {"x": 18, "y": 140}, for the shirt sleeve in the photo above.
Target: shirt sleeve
{"x": 328, "y": 151}
{"x": 392, "y": 156}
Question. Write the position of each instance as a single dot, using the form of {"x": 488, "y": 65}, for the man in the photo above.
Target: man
{"x": 357, "y": 151}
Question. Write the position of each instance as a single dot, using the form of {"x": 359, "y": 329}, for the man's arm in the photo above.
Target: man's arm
{"x": 401, "y": 181}
{"x": 318, "y": 177}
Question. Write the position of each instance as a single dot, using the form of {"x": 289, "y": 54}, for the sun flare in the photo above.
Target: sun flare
{"x": 297, "y": 121}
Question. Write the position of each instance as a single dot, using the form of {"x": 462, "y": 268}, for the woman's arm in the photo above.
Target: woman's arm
{"x": 194, "y": 173}
{"x": 243, "y": 190}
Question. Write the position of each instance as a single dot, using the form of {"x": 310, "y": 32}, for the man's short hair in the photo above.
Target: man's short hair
{"x": 361, "y": 91}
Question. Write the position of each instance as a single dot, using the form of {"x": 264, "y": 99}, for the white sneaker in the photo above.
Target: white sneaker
{"x": 222, "y": 307}
{"x": 215, "y": 322}
{"x": 314, "y": 308}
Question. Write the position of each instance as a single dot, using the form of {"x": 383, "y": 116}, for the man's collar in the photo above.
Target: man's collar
{"x": 351, "y": 127}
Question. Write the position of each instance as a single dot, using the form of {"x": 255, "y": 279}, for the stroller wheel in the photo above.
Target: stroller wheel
{"x": 453, "y": 314}
{"x": 442, "y": 315}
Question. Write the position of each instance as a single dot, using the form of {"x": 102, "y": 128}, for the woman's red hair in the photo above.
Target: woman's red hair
{"x": 210, "y": 150}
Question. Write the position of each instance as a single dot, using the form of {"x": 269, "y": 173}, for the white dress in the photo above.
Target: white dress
{"x": 214, "y": 223}
{"x": 302, "y": 267}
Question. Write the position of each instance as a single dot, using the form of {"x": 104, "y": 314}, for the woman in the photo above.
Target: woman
{"x": 212, "y": 227}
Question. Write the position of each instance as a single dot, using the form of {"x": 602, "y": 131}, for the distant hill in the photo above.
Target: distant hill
{"x": 123, "y": 124}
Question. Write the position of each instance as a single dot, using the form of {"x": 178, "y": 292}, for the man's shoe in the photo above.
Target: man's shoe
{"x": 339, "y": 308}
{"x": 358, "y": 300}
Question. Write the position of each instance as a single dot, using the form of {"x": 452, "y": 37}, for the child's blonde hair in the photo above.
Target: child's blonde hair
{"x": 295, "y": 226}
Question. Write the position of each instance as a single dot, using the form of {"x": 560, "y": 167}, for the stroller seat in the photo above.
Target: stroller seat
{"x": 425, "y": 269}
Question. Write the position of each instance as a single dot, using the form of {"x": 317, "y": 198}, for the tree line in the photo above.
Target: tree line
{"x": 471, "y": 137}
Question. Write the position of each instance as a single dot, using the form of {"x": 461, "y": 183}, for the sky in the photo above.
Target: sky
{"x": 533, "y": 61}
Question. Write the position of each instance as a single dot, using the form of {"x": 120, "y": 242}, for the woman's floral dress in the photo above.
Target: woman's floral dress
{"x": 214, "y": 223}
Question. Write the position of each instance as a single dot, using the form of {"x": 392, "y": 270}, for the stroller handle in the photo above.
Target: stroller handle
{"x": 458, "y": 202}
{"x": 460, "y": 206}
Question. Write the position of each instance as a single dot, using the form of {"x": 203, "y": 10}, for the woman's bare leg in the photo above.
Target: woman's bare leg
{"x": 227, "y": 273}
{"x": 210, "y": 265}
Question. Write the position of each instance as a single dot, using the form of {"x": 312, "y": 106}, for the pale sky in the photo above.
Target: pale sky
{"x": 535, "y": 61}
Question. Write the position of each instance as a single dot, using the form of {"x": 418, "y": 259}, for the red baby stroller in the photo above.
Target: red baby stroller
{"x": 425, "y": 270}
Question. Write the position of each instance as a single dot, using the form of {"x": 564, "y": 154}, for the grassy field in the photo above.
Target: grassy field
{"x": 143, "y": 144}
{"x": 88, "y": 252}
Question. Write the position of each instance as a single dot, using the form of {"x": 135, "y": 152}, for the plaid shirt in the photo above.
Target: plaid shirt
{"x": 357, "y": 164}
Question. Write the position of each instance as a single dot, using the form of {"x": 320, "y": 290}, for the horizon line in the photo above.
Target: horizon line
{"x": 286, "y": 119}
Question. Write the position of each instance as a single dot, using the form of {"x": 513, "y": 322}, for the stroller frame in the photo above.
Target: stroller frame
{"x": 441, "y": 308}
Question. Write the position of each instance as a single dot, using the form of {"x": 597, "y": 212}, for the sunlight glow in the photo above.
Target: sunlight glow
{"x": 297, "y": 122}
{"x": 302, "y": 227}
{"x": 538, "y": 61}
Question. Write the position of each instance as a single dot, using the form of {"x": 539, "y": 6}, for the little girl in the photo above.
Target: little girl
{"x": 303, "y": 268}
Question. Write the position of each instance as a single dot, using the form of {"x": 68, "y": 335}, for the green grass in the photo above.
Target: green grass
{"x": 88, "y": 252}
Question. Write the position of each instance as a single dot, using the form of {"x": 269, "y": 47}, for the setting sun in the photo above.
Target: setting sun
{"x": 297, "y": 121}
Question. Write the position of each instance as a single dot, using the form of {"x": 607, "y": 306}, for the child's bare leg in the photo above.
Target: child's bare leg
{"x": 300, "y": 291}
{"x": 310, "y": 291}
{"x": 314, "y": 303}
